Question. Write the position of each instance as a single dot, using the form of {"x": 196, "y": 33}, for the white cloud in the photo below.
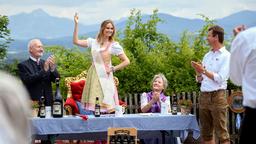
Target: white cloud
{"x": 62, "y": 3}
{"x": 95, "y": 11}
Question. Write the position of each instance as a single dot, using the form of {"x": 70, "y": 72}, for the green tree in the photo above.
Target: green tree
{"x": 70, "y": 62}
{"x": 5, "y": 38}
{"x": 200, "y": 45}
{"x": 152, "y": 52}
{"x": 12, "y": 67}
{"x": 192, "y": 46}
{"x": 143, "y": 45}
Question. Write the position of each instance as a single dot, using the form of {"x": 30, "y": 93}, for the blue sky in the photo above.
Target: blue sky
{"x": 94, "y": 11}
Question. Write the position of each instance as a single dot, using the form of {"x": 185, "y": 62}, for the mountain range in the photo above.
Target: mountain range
{"x": 58, "y": 31}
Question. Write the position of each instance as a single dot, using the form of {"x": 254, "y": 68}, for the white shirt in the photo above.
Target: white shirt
{"x": 34, "y": 59}
{"x": 243, "y": 65}
{"x": 218, "y": 63}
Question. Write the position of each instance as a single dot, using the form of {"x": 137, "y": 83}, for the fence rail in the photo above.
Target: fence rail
{"x": 133, "y": 106}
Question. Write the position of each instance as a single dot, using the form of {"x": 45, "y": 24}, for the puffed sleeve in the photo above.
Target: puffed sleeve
{"x": 117, "y": 49}
{"x": 90, "y": 41}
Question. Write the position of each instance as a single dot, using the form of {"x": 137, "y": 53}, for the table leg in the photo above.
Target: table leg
{"x": 172, "y": 137}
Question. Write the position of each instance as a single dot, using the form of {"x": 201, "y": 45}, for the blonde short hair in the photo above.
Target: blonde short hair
{"x": 165, "y": 82}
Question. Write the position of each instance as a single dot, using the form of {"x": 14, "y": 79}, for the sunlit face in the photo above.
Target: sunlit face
{"x": 109, "y": 30}
{"x": 36, "y": 49}
{"x": 158, "y": 84}
{"x": 210, "y": 38}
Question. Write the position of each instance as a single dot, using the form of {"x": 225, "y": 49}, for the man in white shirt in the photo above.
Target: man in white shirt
{"x": 213, "y": 74}
{"x": 243, "y": 73}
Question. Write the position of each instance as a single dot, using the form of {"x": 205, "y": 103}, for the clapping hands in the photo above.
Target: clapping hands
{"x": 197, "y": 66}
{"x": 50, "y": 63}
{"x": 156, "y": 96}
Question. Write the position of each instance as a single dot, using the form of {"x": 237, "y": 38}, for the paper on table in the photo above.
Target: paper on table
{"x": 146, "y": 114}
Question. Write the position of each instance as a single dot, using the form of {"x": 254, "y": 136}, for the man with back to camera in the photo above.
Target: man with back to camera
{"x": 242, "y": 73}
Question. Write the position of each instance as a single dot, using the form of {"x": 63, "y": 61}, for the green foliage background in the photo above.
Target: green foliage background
{"x": 150, "y": 53}
{"x": 5, "y": 39}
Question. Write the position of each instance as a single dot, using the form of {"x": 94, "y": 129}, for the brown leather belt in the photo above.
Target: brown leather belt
{"x": 213, "y": 92}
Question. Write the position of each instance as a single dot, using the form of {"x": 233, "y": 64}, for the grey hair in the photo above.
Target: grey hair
{"x": 165, "y": 81}
{"x": 14, "y": 111}
{"x": 31, "y": 42}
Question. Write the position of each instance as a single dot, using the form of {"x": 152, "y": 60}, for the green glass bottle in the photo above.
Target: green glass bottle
{"x": 57, "y": 107}
{"x": 97, "y": 107}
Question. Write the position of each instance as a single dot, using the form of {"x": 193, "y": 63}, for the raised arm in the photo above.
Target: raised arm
{"x": 76, "y": 41}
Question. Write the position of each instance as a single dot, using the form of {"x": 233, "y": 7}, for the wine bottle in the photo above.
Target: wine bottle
{"x": 57, "y": 107}
{"x": 112, "y": 139}
{"x": 97, "y": 107}
{"x": 42, "y": 107}
{"x": 132, "y": 140}
{"x": 174, "y": 106}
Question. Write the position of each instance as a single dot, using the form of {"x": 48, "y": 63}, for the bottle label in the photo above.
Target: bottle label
{"x": 97, "y": 111}
{"x": 174, "y": 109}
{"x": 56, "y": 109}
{"x": 42, "y": 112}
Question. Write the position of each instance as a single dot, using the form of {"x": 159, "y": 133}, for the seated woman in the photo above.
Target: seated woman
{"x": 151, "y": 101}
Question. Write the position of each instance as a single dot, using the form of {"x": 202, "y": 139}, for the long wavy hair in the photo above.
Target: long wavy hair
{"x": 102, "y": 28}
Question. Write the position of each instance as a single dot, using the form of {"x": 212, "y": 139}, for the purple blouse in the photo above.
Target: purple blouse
{"x": 155, "y": 106}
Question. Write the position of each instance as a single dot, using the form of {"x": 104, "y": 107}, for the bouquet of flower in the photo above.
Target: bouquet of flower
{"x": 187, "y": 103}
{"x": 35, "y": 108}
{"x": 34, "y": 104}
